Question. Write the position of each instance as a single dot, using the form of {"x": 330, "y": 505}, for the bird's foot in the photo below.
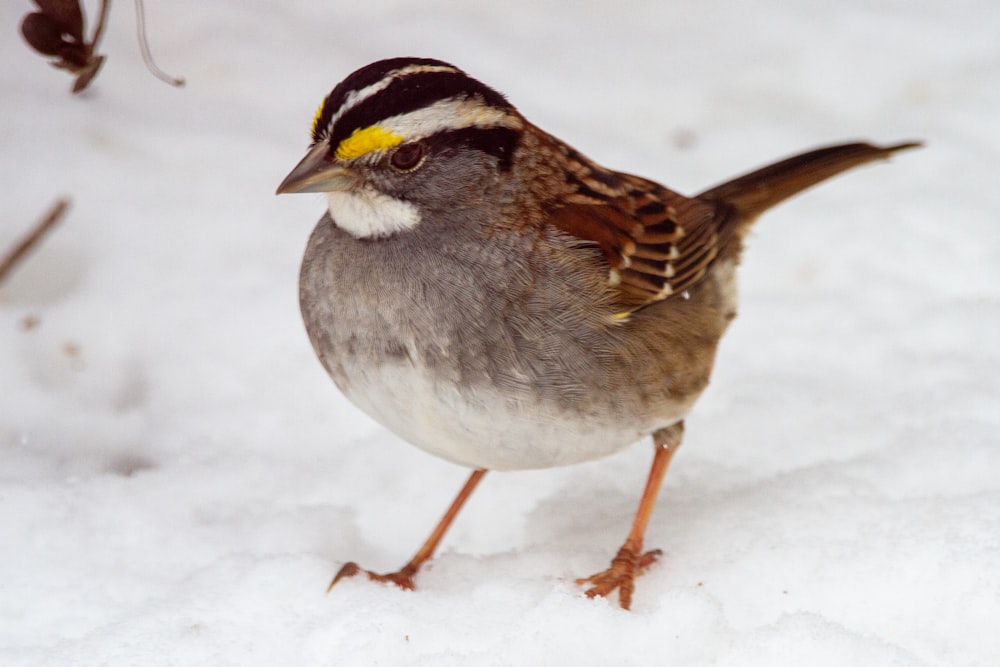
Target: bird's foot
{"x": 627, "y": 564}
{"x": 403, "y": 578}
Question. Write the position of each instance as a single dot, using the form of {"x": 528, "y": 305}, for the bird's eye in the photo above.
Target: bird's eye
{"x": 407, "y": 156}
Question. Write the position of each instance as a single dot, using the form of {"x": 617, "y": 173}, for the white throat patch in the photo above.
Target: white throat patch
{"x": 366, "y": 213}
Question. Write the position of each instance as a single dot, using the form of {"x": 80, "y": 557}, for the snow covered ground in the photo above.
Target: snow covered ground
{"x": 179, "y": 479}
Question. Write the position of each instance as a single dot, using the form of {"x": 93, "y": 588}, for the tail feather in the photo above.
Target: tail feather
{"x": 754, "y": 193}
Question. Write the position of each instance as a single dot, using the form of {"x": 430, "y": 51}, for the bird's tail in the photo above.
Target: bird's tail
{"x": 754, "y": 193}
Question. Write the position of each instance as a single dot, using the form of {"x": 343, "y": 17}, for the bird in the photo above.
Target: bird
{"x": 494, "y": 297}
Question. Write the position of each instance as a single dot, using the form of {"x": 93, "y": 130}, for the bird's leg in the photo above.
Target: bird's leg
{"x": 404, "y": 577}
{"x": 630, "y": 560}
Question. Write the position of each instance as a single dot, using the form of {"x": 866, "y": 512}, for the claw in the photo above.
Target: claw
{"x": 403, "y": 578}
{"x": 625, "y": 567}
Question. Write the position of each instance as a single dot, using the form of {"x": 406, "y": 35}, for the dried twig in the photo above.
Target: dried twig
{"x": 102, "y": 18}
{"x": 21, "y": 249}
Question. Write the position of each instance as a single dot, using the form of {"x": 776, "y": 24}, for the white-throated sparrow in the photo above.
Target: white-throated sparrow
{"x": 495, "y": 298}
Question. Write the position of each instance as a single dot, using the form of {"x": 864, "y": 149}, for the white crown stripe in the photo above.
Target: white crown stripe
{"x": 456, "y": 113}
{"x": 356, "y": 97}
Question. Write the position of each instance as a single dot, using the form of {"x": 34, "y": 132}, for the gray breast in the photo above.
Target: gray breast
{"x": 478, "y": 314}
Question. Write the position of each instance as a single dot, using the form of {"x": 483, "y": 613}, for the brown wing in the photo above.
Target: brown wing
{"x": 657, "y": 242}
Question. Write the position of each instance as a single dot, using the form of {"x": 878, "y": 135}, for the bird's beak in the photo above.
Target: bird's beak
{"x": 317, "y": 173}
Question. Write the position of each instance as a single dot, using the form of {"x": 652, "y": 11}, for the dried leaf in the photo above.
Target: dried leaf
{"x": 74, "y": 56}
{"x": 87, "y": 74}
{"x": 66, "y": 13}
{"x": 42, "y": 33}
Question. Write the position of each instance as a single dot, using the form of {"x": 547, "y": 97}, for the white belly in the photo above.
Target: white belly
{"x": 481, "y": 429}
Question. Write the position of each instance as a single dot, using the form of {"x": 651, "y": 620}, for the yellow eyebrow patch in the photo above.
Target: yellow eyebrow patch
{"x": 366, "y": 140}
{"x": 319, "y": 112}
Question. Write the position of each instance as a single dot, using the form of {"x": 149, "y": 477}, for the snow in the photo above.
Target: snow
{"x": 179, "y": 479}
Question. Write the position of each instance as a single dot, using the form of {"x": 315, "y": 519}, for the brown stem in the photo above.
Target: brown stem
{"x": 18, "y": 252}
{"x": 87, "y": 73}
{"x": 102, "y": 18}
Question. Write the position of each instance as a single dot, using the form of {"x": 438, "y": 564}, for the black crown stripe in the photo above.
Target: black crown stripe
{"x": 410, "y": 93}
{"x": 360, "y": 79}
